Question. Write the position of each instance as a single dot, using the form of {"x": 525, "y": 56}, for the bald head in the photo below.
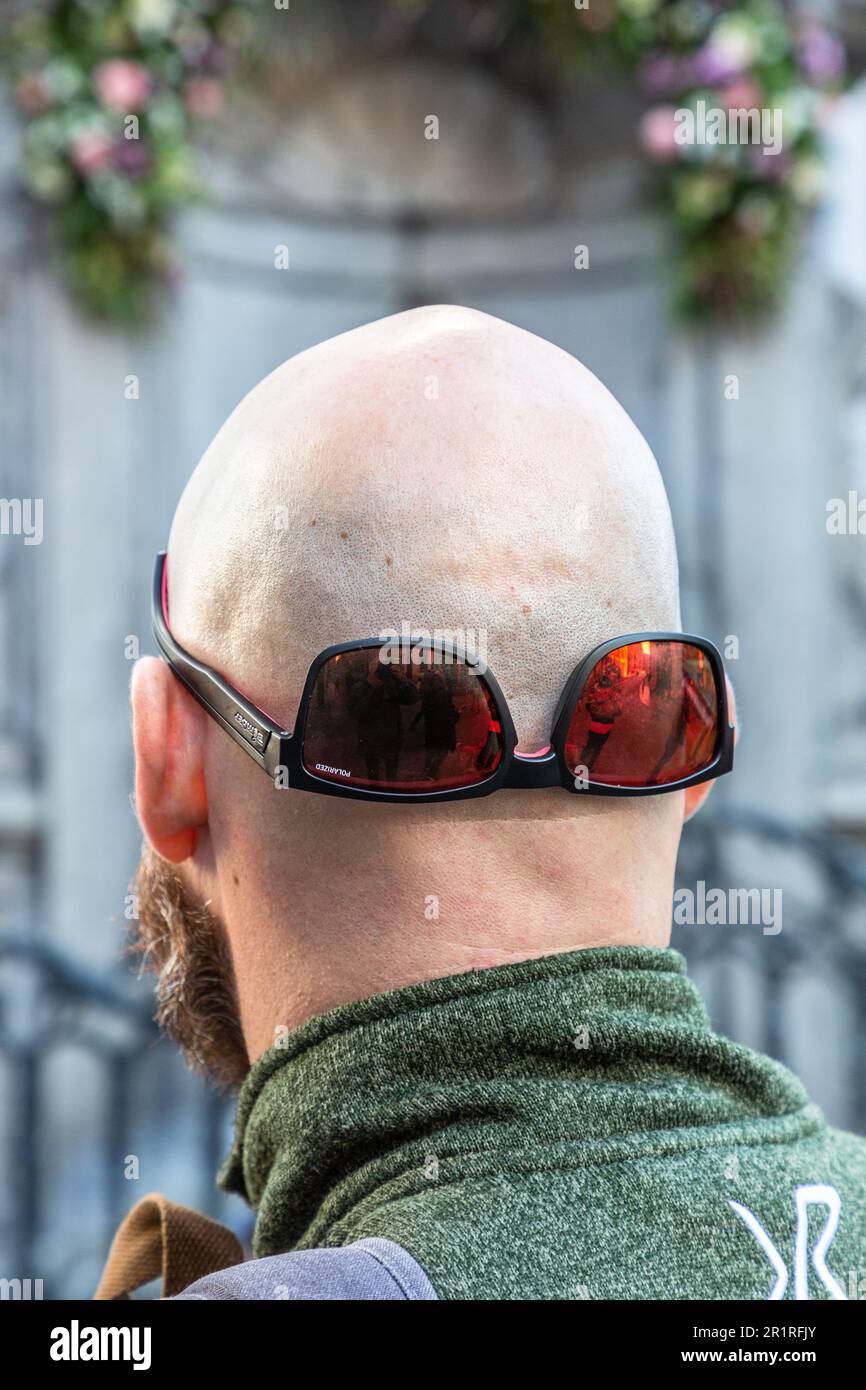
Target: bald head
{"x": 448, "y": 471}
{"x": 440, "y": 468}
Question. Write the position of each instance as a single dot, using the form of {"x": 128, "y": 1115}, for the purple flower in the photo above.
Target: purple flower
{"x": 659, "y": 75}
{"x": 218, "y": 59}
{"x": 709, "y": 67}
{"x": 767, "y": 167}
{"x": 822, "y": 56}
{"x": 132, "y": 158}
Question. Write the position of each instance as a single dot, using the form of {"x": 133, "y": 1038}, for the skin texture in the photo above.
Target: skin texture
{"x": 446, "y": 469}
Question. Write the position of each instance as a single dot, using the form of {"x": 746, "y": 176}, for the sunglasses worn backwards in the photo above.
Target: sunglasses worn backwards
{"x": 641, "y": 714}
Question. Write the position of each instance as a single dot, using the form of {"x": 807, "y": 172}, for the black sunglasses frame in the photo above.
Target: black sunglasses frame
{"x": 275, "y": 748}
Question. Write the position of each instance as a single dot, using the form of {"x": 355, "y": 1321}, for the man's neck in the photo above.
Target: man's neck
{"x": 363, "y": 915}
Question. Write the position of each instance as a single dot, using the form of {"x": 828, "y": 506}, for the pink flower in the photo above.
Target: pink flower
{"x": 204, "y": 97}
{"x": 90, "y": 151}
{"x": 741, "y": 95}
{"x": 658, "y": 133}
{"x": 122, "y": 85}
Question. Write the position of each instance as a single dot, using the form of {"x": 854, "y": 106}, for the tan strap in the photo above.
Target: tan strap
{"x": 162, "y": 1237}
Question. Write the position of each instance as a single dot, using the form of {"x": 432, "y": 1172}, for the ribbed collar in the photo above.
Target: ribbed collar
{"x": 594, "y": 1053}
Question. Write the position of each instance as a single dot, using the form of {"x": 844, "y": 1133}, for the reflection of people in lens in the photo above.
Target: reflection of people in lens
{"x": 440, "y": 717}
{"x": 687, "y": 699}
{"x": 489, "y": 749}
{"x": 375, "y": 702}
{"x": 603, "y": 698}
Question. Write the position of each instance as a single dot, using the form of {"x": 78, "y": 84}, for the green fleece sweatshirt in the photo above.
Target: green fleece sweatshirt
{"x": 568, "y": 1127}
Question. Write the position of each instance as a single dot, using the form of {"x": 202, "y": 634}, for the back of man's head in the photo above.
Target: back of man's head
{"x": 441, "y": 469}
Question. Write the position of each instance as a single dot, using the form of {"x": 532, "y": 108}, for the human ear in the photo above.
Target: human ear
{"x": 168, "y": 730}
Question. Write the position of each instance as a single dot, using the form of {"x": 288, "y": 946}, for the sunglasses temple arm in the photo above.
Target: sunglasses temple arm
{"x": 265, "y": 742}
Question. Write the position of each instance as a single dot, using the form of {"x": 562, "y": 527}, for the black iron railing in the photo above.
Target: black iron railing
{"x": 49, "y": 1001}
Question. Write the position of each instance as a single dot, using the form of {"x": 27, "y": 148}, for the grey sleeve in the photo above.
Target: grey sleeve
{"x": 374, "y": 1268}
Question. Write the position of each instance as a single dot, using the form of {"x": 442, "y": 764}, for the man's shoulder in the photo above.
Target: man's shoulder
{"x": 368, "y": 1269}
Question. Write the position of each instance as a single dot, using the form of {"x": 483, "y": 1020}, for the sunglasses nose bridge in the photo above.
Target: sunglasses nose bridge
{"x": 539, "y": 769}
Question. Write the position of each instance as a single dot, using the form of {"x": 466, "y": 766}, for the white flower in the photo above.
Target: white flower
{"x": 735, "y": 39}
{"x": 807, "y": 180}
{"x": 153, "y": 16}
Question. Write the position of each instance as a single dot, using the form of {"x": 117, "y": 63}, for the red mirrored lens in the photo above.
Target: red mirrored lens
{"x": 648, "y": 715}
{"x": 401, "y": 727}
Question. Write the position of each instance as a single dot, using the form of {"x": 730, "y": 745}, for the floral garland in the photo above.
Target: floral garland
{"x": 111, "y": 91}
{"x": 759, "y": 70}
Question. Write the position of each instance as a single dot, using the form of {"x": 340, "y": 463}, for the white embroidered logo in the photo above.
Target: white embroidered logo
{"x": 804, "y": 1197}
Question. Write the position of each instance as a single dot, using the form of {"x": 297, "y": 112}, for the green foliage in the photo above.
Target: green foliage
{"x": 734, "y": 206}
{"x": 110, "y": 92}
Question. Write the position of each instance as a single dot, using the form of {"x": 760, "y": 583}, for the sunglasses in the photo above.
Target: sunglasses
{"x": 641, "y": 714}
